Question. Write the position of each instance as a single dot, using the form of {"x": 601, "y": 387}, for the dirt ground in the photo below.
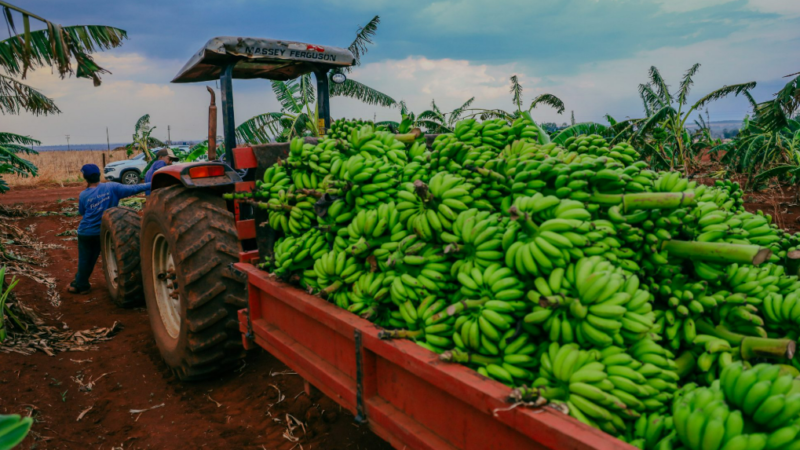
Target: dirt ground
{"x": 247, "y": 409}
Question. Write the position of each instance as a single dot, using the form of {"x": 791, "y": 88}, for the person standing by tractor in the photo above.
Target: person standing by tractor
{"x": 92, "y": 203}
{"x": 164, "y": 157}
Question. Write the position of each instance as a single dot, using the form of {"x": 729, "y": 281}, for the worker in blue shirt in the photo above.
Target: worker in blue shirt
{"x": 164, "y": 157}
{"x": 93, "y": 202}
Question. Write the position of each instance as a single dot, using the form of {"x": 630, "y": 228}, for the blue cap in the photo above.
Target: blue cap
{"x": 90, "y": 169}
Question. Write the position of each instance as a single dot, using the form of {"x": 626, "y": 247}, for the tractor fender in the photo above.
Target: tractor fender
{"x": 182, "y": 174}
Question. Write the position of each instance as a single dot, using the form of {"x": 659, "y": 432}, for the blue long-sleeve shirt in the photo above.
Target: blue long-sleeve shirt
{"x": 148, "y": 177}
{"x": 93, "y": 202}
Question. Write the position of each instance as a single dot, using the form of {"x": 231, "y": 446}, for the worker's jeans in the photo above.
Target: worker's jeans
{"x": 88, "y": 252}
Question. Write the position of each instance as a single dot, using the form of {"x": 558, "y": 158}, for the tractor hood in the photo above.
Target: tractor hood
{"x": 260, "y": 58}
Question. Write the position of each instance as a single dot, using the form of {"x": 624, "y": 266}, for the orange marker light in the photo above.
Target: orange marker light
{"x": 206, "y": 171}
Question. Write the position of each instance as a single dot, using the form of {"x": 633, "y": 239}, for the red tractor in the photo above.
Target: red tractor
{"x": 178, "y": 257}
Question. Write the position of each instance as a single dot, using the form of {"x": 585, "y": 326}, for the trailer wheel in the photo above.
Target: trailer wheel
{"x": 189, "y": 243}
{"x": 119, "y": 245}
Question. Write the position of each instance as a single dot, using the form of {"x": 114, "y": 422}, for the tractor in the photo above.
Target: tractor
{"x": 178, "y": 256}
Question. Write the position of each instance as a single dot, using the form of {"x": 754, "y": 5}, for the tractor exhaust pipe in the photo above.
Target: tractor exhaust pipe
{"x": 212, "y": 126}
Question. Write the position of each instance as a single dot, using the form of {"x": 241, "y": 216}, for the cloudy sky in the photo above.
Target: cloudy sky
{"x": 590, "y": 53}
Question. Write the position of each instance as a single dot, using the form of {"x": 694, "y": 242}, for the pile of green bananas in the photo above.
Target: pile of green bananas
{"x": 571, "y": 272}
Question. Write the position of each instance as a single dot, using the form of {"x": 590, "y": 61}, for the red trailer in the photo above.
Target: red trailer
{"x": 401, "y": 390}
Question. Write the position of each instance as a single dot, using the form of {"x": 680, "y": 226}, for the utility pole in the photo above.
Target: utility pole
{"x": 108, "y": 141}
{"x": 67, "y": 142}
{"x": 169, "y": 137}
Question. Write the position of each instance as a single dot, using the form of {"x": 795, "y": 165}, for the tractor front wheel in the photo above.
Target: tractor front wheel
{"x": 189, "y": 244}
{"x": 119, "y": 245}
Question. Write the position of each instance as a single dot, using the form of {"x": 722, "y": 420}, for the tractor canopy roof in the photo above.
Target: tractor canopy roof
{"x": 260, "y": 58}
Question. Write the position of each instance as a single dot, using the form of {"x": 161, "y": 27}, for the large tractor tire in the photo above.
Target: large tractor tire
{"x": 189, "y": 243}
{"x": 119, "y": 245}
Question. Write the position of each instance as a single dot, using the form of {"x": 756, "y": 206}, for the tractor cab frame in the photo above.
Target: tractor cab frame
{"x": 225, "y": 58}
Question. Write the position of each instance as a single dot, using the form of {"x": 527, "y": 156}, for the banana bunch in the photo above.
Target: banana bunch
{"x": 275, "y": 179}
{"x": 421, "y": 269}
{"x": 476, "y": 239}
{"x": 369, "y": 298}
{"x": 373, "y": 181}
{"x": 714, "y": 354}
{"x": 417, "y": 169}
{"x": 495, "y": 282}
{"x": 370, "y": 229}
{"x": 423, "y": 325}
{"x": 576, "y": 377}
{"x": 364, "y": 141}
{"x": 757, "y": 282}
{"x": 524, "y": 129}
{"x": 480, "y": 324}
{"x": 644, "y": 376}
{"x": 721, "y": 193}
{"x": 468, "y": 131}
{"x": 496, "y": 133}
{"x": 341, "y": 128}
{"x": 650, "y": 430}
{"x": 704, "y": 421}
{"x": 763, "y": 393}
{"x": 300, "y": 209}
{"x": 333, "y": 216}
{"x": 671, "y": 182}
{"x": 591, "y": 303}
{"x": 321, "y": 159}
{"x": 535, "y": 250}
{"x": 514, "y": 365}
{"x": 782, "y": 312}
{"x": 427, "y": 210}
{"x": 336, "y": 270}
{"x": 294, "y": 254}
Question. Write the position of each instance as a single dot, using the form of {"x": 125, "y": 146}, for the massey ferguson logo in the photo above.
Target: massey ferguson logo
{"x": 315, "y": 48}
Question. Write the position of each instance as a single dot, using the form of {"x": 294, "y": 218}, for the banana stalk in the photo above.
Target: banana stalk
{"x": 751, "y": 347}
{"x": 457, "y": 356}
{"x": 645, "y": 200}
{"x": 410, "y": 137}
{"x": 400, "y": 334}
{"x": 718, "y": 252}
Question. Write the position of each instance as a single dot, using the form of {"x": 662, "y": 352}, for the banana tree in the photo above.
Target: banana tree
{"x": 56, "y": 47}
{"x": 670, "y": 112}
{"x": 142, "y": 139}
{"x": 775, "y": 114}
{"x": 516, "y": 98}
{"x": 11, "y": 146}
{"x": 298, "y": 114}
{"x": 431, "y": 120}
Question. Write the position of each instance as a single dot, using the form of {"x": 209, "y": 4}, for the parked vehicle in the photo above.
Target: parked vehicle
{"x": 131, "y": 171}
{"x": 127, "y": 171}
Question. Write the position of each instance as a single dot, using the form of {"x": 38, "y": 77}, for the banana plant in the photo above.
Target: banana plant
{"x": 142, "y": 139}
{"x": 56, "y": 47}
{"x": 516, "y": 93}
{"x": 13, "y": 430}
{"x": 775, "y": 114}
{"x": 431, "y": 120}
{"x": 11, "y": 146}
{"x": 298, "y": 114}
{"x": 671, "y": 111}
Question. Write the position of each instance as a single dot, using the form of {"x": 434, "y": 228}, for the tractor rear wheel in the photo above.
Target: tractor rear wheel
{"x": 119, "y": 245}
{"x": 189, "y": 245}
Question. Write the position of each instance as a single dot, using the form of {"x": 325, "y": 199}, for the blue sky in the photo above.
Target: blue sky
{"x": 591, "y": 53}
